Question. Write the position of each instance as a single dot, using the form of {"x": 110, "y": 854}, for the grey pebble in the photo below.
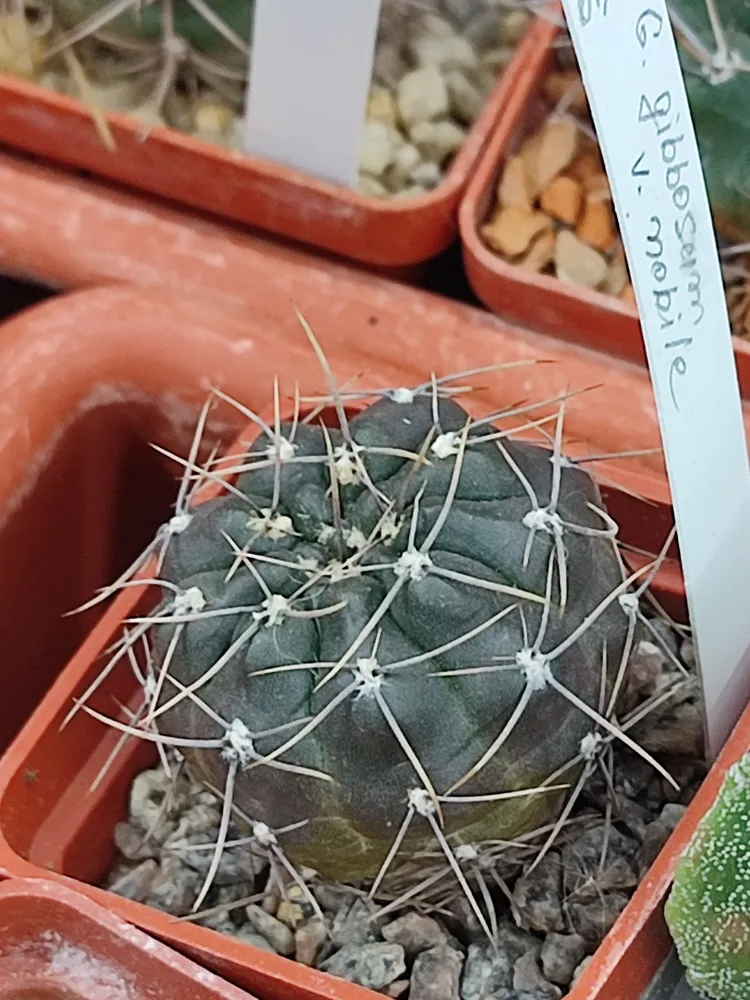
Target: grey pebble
{"x": 203, "y": 817}
{"x": 538, "y": 896}
{"x": 671, "y": 814}
{"x": 677, "y": 731}
{"x": 374, "y": 965}
{"x": 277, "y": 934}
{"x": 415, "y": 932}
{"x": 422, "y": 96}
{"x": 389, "y": 65}
{"x": 459, "y": 10}
{"x": 436, "y": 141}
{"x": 528, "y": 978}
{"x": 147, "y": 795}
{"x": 687, "y": 653}
{"x": 485, "y": 30}
{"x": 332, "y": 897}
{"x": 466, "y": 100}
{"x": 175, "y": 887}
{"x": 635, "y": 817}
{"x": 515, "y": 25}
{"x": 445, "y": 53}
{"x": 250, "y": 936}
{"x": 135, "y": 883}
{"x": 308, "y": 940}
{"x": 594, "y": 919}
{"x": 599, "y": 859}
{"x": 132, "y": 844}
{"x": 645, "y": 668}
{"x": 436, "y": 974}
{"x": 234, "y": 865}
{"x": 353, "y": 924}
{"x": 657, "y": 834}
{"x": 561, "y": 955}
{"x": 486, "y": 971}
{"x": 466, "y": 919}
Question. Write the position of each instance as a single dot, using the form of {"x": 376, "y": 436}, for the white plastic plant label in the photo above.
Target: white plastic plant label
{"x": 631, "y": 71}
{"x": 310, "y": 74}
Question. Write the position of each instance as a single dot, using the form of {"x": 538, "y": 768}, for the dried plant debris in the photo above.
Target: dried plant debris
{"x": 417, "y": 723}
{"x": 185, "y": 64}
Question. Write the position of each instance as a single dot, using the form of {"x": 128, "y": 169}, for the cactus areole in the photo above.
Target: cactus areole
{"x": 379, "y": 617}
{"x": 708, "y": 910}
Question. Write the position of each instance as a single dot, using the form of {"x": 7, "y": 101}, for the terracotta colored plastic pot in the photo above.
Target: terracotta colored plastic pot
{"x": 51, "y": 821}
{"x": 247, "y": 189}
{"x": 539, "y": 301}
{"x": 57, "y": 945}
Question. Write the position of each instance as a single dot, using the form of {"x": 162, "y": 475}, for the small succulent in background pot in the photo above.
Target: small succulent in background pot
{"x": 708, "y": 910}
{"x": 185, "y": 63}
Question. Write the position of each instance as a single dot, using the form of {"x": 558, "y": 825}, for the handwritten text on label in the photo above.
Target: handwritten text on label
{"x": 634, "y": 81}
{"x": 673, "y": 237}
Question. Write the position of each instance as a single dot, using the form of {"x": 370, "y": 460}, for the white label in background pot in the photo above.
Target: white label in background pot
{"x": 310, "y": 74}
{"x": 633, "y": 79}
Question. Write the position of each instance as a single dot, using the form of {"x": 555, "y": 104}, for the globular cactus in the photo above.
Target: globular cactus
{"x": 718, "y": 88}
{"x": 394, "y": 626}
{"x": 364, "y": 616}
{"x": 708, "y": 910}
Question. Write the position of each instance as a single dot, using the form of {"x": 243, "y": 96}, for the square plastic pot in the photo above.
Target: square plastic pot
{"x": 250, "y": 190}
{"x": 52, "y": 825}
{"x": 539, "y": 301}
{"x": 56, "y": 944}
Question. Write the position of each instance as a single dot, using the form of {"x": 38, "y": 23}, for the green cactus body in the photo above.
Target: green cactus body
{"x": 449, "y": 721}
{"x": 720, "y": 113}
{"x": 708, "y": 910}
{"x": 146, "y": 22}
